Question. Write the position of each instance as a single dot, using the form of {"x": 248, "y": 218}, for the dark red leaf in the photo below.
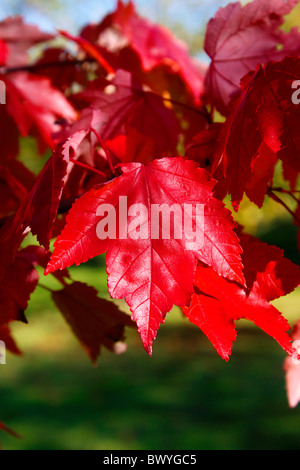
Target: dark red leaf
{"x": 10, "y": 344}
{"x": 127, "y": 105}
{"x": 39, "y": 209}
{"x": 36, "y": 105}
{"x": 12, "y": 192}
{"x": 267, "y": 271}
{"x": 18, "y": 283}
{"x": 95, "y": 322}
{"x": 91, "y": 50}
{"x": 261, "y": 128}
{"x": 240, "y": 37}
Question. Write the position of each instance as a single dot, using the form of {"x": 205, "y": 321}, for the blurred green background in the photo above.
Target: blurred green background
{"x": 185, "y": 396}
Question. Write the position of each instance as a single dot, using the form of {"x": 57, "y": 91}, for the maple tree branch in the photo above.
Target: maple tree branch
{"x": 283, "y": 204}
{"x": 203, "y": 113}
{"x": 35, "y": 67}
{"x": 294, "y": 197}
{"x": 87, "y": 167}
{"x": 90, "y": 49}
{"x": 281, "y": 190}
{"x": 9, "y": 431}
{"x": 41, "y": 65}
{"x": 287, "y": 191}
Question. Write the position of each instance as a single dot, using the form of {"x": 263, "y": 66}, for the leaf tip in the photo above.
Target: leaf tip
{"x": 148, "y": 349}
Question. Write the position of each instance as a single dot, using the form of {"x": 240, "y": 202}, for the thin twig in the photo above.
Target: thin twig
{"x": 35, "y": 67}
{"x": 87, "y": 167}
{"x": 283, "y": 204}
{"x": 104, "y": 149}
{"x": 42, "y": 65}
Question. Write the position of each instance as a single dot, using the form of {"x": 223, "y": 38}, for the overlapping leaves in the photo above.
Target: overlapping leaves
{"x": 117, "y": 117}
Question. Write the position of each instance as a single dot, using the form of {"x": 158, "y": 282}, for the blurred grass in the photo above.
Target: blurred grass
{"x": 184, "y": 397}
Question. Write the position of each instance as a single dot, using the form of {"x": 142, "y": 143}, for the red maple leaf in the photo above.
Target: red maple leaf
{"x": 240, "y": 37}
{"x": 10, "y": 343}
{"x": 261, "y": 128}
{"x": 128, "y": 106}
{"x": 28, "y": 112}
{"x": 154, "y": 45}
{"x": 18, "y": 283}
{"x": 12, "y": 192}
{"x": 18, "y": 38}
{"x": 39, "y": 209}
{"x": 36, "y": 113}
{"x": 204, "y": 147}
{"x": 178, "y": 81}
{"x": 218, "y": 302}
{"x": 262, "y": 175}
{"x": 95, "y": 322}
{"x": 61, "y": 66}
{"x": 141, "y": 100}
{"x": 151, "y": 274}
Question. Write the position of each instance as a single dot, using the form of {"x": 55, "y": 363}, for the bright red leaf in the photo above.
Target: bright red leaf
{"x": 218, "y": 303}
{"x": 152, "y": 274}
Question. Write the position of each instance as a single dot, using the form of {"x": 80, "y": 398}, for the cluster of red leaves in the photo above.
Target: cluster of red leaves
{"x": 141, "y": 102}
